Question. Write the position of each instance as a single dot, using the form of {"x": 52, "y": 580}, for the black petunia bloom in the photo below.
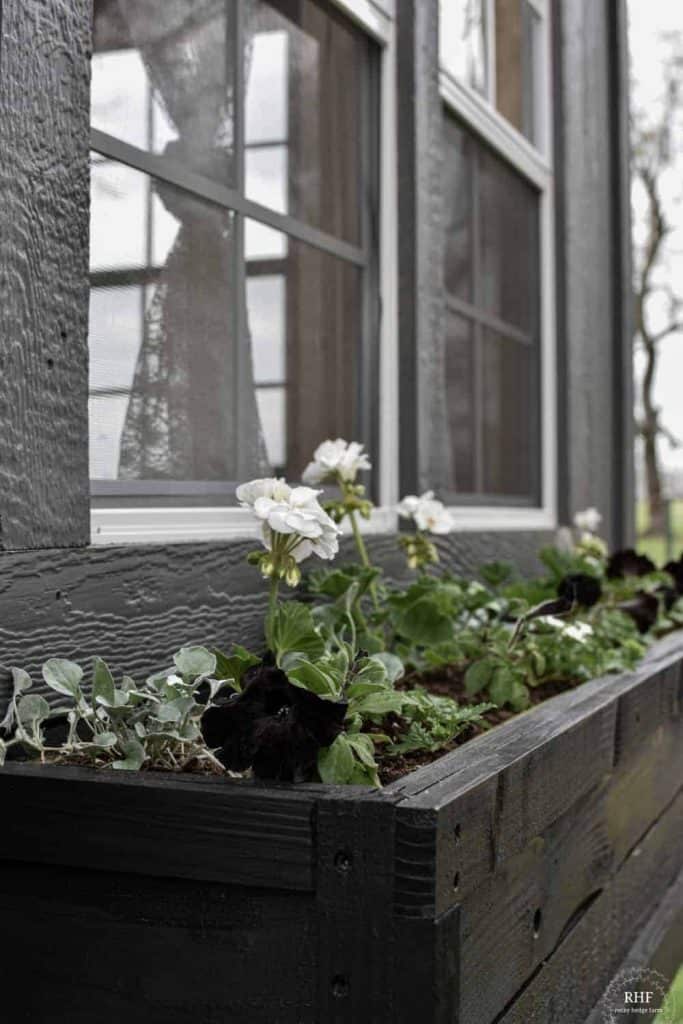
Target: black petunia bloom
{"x": 580, "y": 588}
{"x": 675, "y": 569}
{"x": 628, "y": 563}
{"x": 273, "y": 726}
{"x": 643, "y": 608}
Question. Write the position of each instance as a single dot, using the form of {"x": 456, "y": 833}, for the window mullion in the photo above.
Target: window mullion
{"x": 240, "y": 285}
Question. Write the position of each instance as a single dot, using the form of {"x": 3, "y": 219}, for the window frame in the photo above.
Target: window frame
{"x": 534, "y": 163}
{"x": 138, "y": 519}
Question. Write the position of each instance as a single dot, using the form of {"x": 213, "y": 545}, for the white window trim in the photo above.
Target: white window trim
{"x": 160, "y": 525}
{"x": 535, "y": 164}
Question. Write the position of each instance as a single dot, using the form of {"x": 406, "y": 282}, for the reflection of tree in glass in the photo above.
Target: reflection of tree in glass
{"x": 658, "y": 304}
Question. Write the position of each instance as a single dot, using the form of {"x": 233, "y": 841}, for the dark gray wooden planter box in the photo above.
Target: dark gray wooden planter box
{"x": 506, "y": 882}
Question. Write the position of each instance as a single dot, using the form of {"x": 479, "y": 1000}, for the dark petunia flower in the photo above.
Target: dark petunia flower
{"x": 675, "y": 569}
{"x": 580, "y": 588}
{"x": 668, "y": 595}
{"x": 628, "y": 563}
{"x": 643, "y": 608}
{"x": 272, "y": 726}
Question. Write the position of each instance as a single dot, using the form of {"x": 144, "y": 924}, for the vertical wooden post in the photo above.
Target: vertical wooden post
{"x": 44, "y": 189}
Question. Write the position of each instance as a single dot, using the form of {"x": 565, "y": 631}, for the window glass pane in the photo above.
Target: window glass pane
{"x": 460, "y": 402}
{"x": 163, "y": 79}
{"x": 458, "y": 170}
{"x": 462, "y": 41}
{"x": 509, "y": 399}
{"x": 492, "y": 342}
{"x": 507, "y": 284}
{"x": 517, "y": 31}
{"x": 267, "y": 315}
{"x": 172, "y": 394}
{"x": 304, "y": 314}
{"x": 305, "y": 110}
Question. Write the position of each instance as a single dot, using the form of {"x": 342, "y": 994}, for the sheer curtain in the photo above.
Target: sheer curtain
{"x": 192, "y": 410}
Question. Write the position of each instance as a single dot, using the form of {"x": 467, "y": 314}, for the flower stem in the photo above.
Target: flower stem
{"x": 272, "y": 596}
{"x": 363, "y": 552}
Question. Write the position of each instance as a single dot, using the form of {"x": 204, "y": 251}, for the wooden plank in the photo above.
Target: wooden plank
{"x": 354, "y": 880}
{"x": 44, "y": 183}
{"x": 659, "y": 944}
{"x": 213, "y": 829}
{"x": 488, "y": 798}
{"x": 91, "y": 945}
{"x": 573, "y": 976}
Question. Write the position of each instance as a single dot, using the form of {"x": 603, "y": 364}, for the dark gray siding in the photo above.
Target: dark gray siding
{"x": 595, "y": 402}
{"x": 44, "y": 115}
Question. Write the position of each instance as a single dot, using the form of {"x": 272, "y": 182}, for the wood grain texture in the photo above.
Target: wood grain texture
{"x": 570, "y": 981}
{"x": 659, "y": 944}
{"x": 116, "y": 947}
{"x": 592, "y": 362}
{"x": 211, "y": 829}
{"x": 135, "y": 605}
{"x": 44, "y": 185}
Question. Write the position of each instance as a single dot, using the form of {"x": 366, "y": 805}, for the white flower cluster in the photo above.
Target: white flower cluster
{"x": 336, "y": 460}
{"x": 427, "y": 513}
{"x": 588, "y": 519}
{"x": 579, "y": 631}
{"x": 291, "y": 512}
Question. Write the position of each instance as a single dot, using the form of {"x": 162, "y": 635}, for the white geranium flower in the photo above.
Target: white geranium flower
{"x": 427, "y": 513}
{"x": 331, "y": 459}
{"x": 269, "y": 487}
{"x": 552, "y": 620}
{"x": 579, "y": 631}
{"x": 296, "y": 513}
{"x": 589, "y": 520}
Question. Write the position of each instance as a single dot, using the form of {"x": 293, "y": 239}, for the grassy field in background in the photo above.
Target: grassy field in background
{"x": 655, "y": 547}
{"x": 675, "y": 1000}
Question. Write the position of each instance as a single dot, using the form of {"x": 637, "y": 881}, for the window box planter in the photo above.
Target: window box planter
{"x": 505, "y": 882}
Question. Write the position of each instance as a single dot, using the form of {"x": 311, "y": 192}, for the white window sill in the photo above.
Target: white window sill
{"x": 188, "y": 525}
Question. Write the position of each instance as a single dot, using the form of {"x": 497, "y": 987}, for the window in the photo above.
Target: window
{"x": 497, "y": 187}
{"x": 233, "y": 261}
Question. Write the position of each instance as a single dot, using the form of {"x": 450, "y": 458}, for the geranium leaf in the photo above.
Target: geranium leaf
{"x": 291, "y": 628}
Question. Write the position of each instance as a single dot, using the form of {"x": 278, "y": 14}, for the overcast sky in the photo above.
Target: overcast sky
{"x": 648, "y": 21}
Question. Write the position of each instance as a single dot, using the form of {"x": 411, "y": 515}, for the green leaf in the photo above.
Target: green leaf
{"x": 378, "y": 703}
{"x": 63, "y": 676}
{"x": 174, "y": 710}
{"x": 479, "y": 674}
{"x": 308, "y": 676}
{"x": 291, "y": 628}
{"x": 392, "y": 664}
{"x": 425, "y": 623}
{"x": 103, "y": 688}
{"x": 21, "y": 681}
{"x": 32, "y": 709}
{"x": 336, "y": 762}
{"x": 193, "y": 662}
{"x": 362, "y": 745}
{"x": 506, "y": 688}
{"x": 105, "y": 740}
{"x": 233, "y": 666}
{"x": 134, "y": 759}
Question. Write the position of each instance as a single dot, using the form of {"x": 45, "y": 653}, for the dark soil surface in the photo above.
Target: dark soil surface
{"x": 449, "y": 682}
